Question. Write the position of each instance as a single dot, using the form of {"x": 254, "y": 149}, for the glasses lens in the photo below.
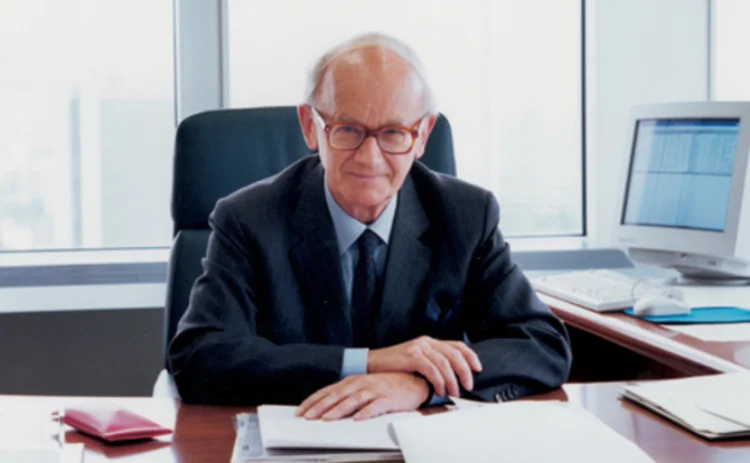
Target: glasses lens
{"x": 395, "y": 140}
{"x": 346, "y": 137}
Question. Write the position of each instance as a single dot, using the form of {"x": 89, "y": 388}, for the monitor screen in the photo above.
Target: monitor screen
{"x": 681, "y": 173}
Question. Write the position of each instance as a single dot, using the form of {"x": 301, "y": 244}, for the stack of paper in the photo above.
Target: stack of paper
{"x": 517, "y": 432}
{"x": 713, "y": 407}
{"x": 496, "y": 432}
{"x": 275, "y": 433}
{"x": 281, "y": 428}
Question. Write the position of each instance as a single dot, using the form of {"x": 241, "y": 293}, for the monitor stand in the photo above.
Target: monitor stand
{"x": 684, "y": 280}
{"x": 696, "y": 269}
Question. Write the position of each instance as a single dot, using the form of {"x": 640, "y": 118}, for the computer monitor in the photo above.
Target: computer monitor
{"x": 684, "y": 201}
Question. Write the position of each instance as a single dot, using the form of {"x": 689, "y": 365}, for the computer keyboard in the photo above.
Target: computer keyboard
{"x": 599, "y": 290}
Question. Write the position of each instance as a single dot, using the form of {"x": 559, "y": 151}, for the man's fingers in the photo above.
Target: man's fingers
{"x": 469, "y": 355}
{"x": 375, "y": 408}
{"x": 459, "y": 365}
{"x": 446, "y": 371}
{"x": 349, "y": 405}
{"x": 430, "y": 371}
{"x": 314, "y": 399}
{"x": 324, "y": 405}
{"x": 330, "y": 396}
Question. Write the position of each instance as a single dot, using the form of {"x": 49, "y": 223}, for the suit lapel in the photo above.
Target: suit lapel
{"x": 315, "y": 260}
{"x": 407, "y": 267}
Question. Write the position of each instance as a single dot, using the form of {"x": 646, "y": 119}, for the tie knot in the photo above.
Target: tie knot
{"x": 368, "y": 241}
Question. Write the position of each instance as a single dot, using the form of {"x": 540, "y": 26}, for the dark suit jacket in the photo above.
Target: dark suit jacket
{"x": 268, "y": 320}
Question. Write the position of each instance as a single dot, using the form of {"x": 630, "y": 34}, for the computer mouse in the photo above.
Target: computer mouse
{"x": 660, "y": 305}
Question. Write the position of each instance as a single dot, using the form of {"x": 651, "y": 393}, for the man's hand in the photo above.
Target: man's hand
{"x": 438, "y": 361}
{"x": 366, "y": 396}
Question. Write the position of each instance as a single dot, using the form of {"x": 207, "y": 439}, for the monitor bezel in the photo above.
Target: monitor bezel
{"x": 718, "y": 243}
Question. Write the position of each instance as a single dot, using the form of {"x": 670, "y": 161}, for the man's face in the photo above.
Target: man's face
{"x": 374, "y": 88}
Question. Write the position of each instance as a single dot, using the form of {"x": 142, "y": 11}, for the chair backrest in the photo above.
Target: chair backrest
{"x": 218, "y": 152}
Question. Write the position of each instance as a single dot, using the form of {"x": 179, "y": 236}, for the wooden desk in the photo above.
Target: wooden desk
{"x": 205, "y": 434}
{"x": 687, "y": 355}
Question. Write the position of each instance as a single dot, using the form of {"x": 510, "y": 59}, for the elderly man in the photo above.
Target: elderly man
{"x": 357, "y": 281}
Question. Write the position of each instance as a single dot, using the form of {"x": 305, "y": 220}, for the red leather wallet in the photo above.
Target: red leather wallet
{"x": 112, "y": 424}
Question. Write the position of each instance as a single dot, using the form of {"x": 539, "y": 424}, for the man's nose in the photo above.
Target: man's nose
{"x": 370, "y": 152}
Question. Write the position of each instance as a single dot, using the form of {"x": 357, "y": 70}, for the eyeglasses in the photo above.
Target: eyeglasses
{"x": 392, "y": 139}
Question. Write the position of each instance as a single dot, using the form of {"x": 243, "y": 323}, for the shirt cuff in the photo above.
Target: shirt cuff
{"x": 354, "y": 363}
{"x": 432, "y": 399}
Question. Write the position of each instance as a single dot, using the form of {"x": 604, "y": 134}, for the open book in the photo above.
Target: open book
{"x": 713, "y": 407}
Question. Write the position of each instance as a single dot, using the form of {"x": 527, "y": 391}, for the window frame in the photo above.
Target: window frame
{"x": 201, "y": 83}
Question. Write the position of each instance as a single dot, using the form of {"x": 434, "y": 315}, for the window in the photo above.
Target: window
{"x": 731, "y": 68}
{"x": 507, "y": 74}
{"x": 86, "y": 123}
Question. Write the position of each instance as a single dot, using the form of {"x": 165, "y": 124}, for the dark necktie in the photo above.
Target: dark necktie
{"x": 364, "y": 289}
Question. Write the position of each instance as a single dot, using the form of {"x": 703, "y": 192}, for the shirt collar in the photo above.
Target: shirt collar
{"x": 348, "y": 229}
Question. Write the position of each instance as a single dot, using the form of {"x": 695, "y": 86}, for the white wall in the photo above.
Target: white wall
{"x": 638, "y": 51}
{"x": 506, "y": 74}
{"x": 731, "y": 36}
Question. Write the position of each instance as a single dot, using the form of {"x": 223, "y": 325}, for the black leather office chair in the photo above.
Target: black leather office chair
{"x": 218, "y": 152}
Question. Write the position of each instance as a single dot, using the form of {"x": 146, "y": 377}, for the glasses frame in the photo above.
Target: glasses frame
{"x": 329, "y": 127}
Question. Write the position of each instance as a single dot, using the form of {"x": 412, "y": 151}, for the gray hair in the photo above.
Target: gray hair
{"x": 371, "y": 40}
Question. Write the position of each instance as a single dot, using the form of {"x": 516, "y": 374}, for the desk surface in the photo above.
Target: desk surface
{"x": 685, "y": 353}
{"x": 205, "y": 434}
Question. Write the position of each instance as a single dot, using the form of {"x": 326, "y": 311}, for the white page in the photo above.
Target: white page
{"x": 715, "y": 332}
{"x": 248, "y": 448}
{"x": 688, "y": 412}
{"x": 71, "y": 453}
{"x": 731, "y": 401}
{"x": 696, "y": 387}
{"x": 681, "y": 397}
{"x": 30, "y": 431}
{"x": 33, "y": 437}
{"x": 280, "y": 428}
{"x": 466, "y": 404}
{"x": 737, "y": 411}
{"x": 517, "y": 432}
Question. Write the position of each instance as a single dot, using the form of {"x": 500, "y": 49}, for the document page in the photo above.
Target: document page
{"x": 248, "y": 448}
{"x": 280, "y": 428}
{"x": 688, "y": 399}
{"x": 71, "y": 453}
{"x": 730, "y": 400}
{"x": 465, "y": 404}
{"x": 514, "y": 432}
{"x": 33, "y": 438}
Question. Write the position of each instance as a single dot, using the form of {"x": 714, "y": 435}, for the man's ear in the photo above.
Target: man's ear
{"x": 424, "y": 134}
{"x": 307, "y": 124}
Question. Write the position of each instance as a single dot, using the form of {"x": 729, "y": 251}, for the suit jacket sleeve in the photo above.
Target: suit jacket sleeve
{"x": 523, "y": 347}
{"x": 217, "y": 356}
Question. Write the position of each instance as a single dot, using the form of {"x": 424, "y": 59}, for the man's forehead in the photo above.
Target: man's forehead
{"x": 372, "y": 83}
